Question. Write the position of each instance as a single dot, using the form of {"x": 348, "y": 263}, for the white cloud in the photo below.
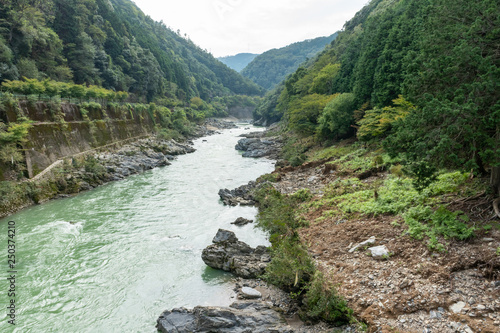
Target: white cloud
{"x": 227, "y": 27}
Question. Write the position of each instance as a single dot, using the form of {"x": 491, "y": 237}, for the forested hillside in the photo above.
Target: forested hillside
{"x": 109, "y": 43}
{"x": 422, "y": 77}
{"x": 238, "y": 61}
{"x": 271, "y": 67}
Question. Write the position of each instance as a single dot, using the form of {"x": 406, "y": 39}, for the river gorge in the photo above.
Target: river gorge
{"x": 113, "y": 258}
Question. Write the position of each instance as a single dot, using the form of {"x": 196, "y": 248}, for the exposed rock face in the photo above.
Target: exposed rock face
{"x": 257, "y": 147}
{"x": 241, "y": 195}
{"x": 231, "y": 255}
{"x": 239, "y": 317}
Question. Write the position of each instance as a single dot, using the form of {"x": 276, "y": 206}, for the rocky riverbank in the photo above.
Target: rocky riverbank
{"x": 231, "y": 255}
{"x": 90, "y": 169}
{"x": 137, "y": 157}
{"x": 260, "y": 307}
{"x": 408, "y": 288}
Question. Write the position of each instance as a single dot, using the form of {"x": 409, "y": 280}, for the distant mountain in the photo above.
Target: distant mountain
{"x": 110, "y": 43}
{"x": 271, "y": 67}
{"x": 238, "y": 61}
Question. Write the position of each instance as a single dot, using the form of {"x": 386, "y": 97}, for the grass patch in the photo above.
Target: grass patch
{"x": 423, "y": 212}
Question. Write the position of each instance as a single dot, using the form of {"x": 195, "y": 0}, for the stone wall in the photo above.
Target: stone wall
{"x": 52, "y": 138}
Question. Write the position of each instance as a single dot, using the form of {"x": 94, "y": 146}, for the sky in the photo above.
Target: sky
{"x": 228, "y": 27}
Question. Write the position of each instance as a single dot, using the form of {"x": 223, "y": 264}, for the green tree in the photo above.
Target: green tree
{"x": 453, "y": 80}
{"x": 81, "y": 59}
{"x": 379, "y": 121}
{"x": 322, "y": 82}
{"x": 304, "y": 111}
{"x": 77, "y": 91}
{"x": 337, "y": 116}
{"x": 51, "y": 88}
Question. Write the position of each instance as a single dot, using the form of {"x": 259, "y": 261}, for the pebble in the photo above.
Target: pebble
{"x": 457, "y": 307}
{"x": 250, "y": 293}
{"x": 435, "y": 314}
{"x": 480, "y": 307}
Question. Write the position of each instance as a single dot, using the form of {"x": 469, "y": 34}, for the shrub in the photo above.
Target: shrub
{"x": 291, "y": 267}
{"x": 322, "y": 302}
{"x": 337, "y": 117}
{"x": 422, "y": 221}
{"x": 304, "y": 112}
{"x": 93, "y": 166}
{"x": 377, "y": 122}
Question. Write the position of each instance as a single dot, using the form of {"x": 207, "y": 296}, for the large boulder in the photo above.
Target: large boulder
{"x": 256, "y": 147}
{"x": 239, "y": 317}
{"x": 231, "y": 255}
{"x": 241, "y": 195}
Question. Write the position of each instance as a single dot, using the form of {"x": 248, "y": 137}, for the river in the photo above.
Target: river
{"x": 112, "y": 259}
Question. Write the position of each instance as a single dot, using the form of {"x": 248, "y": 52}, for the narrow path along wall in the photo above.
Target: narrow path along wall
{"x": 71, "y": 129}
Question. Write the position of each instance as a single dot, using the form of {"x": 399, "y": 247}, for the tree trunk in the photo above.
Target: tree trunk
{"x": 495, "y": 180}
{"x": 495, "y": 170}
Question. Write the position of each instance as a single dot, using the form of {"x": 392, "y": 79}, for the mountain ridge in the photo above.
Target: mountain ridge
{"x": 238, "y": 61}
{"x": 272, "y": 66}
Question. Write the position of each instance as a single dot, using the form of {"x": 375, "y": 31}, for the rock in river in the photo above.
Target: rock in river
{"x": 255, "y": 147}
{"x": 241, "y": 221}
{"x": 239, "y": 317}
{"x": 231, "y": 255}
{"x": 241, "y": 195}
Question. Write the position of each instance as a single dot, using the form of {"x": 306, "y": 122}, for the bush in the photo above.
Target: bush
{"x": 291, "y": 267}
{"x": 337, "y": 117}
{"x": 422, "y": 222}
{"x": 323, "y": 303}
{"x": 377, "y": 122}
{"x": 294, "y": 152}
{"x": 93, "y": 166}
{"x": 304, "y": 112}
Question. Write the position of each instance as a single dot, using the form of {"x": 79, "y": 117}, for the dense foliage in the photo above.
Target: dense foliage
{"x": 52, "y": 89}
{"x": 271, "y": 67}
{"x": 109, "y": 43}
{"x": 421, "y": 76}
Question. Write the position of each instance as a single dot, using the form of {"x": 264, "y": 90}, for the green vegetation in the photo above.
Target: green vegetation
{"x": 336, "y": 117}
{"x": 422, "y": 208}
{"x": 291, "y": 267}
{"x": 109, "y": 44}
{"x": 419, "y": 76}
{"x": 70, "y": 91}
{"x": 323, "y": 303}
{"x": 271, "y": 67}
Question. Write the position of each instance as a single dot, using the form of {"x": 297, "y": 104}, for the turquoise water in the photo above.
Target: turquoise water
{"x": 112, "y": 259}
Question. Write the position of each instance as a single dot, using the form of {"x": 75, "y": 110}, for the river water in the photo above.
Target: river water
{"x": 112, "y": 259}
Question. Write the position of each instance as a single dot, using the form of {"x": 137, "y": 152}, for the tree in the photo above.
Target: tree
{"x": 379, "y": 121}
{"x": 337, "y": 116}
{"x": 304, "y": 111}
{"x": 51, "y": 88}
{"x": 77, "y": 91}
{"x": 453, "y": 80}
{"x": 81, "y": 59}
